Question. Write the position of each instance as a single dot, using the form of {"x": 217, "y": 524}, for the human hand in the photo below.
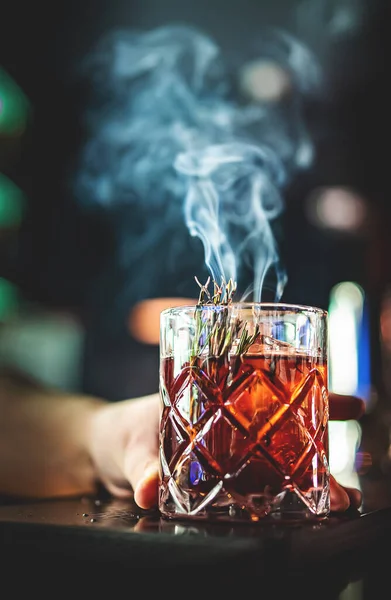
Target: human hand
{"x": 124, "y": 448}
{"x": 343, "y": 408}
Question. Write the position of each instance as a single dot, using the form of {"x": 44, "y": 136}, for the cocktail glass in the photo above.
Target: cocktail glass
{"x": 244, "y": 421}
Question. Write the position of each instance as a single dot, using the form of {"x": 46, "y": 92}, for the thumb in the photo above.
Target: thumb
{"x": 140, "y": 464}
{"x": 146, "y": 490}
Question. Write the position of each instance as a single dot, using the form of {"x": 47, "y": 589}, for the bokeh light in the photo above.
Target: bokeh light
{"x": 337, "y": 208}
{"x": 264, "y": 80}
{"x": 9, "y": 299}
{"x": 349, "y": 373}
{"x": 12, "y": 204}
{"x": 14, "y": 107}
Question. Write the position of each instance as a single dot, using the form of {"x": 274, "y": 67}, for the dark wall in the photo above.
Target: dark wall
{"x": 63, "y": 250}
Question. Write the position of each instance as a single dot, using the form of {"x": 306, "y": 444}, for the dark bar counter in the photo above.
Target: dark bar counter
{"x": 89, "y": 543}
{"x": 86, "y": 545}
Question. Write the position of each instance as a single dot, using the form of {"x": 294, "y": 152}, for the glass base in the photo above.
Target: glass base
{"x": 286, "y": 507}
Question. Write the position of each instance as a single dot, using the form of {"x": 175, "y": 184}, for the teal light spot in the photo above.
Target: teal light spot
{"x": 14, "y": 106}
{"x": 8, "y": 299}
{"x": 12, "y": 204}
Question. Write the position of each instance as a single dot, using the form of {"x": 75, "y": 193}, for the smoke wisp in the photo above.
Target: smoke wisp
{"x": 171, "y": 137}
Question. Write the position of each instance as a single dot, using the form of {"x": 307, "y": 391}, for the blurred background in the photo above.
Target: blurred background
{"x": 97, "y": 99}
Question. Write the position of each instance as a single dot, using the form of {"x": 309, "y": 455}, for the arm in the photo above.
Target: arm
{"x": 44, "y": 438}
{"x": 54, "y": 444}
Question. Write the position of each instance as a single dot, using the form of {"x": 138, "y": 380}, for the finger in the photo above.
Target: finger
{"x": 355, "y": 497}
{"x": 342, "y": 498}
{"x": 343, "y": 408}
{"x": 146, "y": 490}
{"x": 142, "y": 471}
{"x": 140, "y": 459}
{"x": 339, "y": 498}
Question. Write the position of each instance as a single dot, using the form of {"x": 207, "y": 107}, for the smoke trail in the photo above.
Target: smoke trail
{"x": 232, "y": 197}
{"x": 170, "y": 139}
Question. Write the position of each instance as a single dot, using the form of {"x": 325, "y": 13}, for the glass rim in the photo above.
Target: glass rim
{"x": 278, "y": 307}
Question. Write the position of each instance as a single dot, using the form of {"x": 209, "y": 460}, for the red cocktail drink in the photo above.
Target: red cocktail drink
{"x": 244, "y": 435}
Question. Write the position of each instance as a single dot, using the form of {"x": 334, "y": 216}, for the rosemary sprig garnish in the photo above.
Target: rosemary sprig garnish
{"x": 215, "y": 329}
{"x": 247, "y": 340}
{"x": 222, "y": 294}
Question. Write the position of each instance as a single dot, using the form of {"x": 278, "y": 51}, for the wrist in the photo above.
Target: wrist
{"x": 44, "y": 440}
